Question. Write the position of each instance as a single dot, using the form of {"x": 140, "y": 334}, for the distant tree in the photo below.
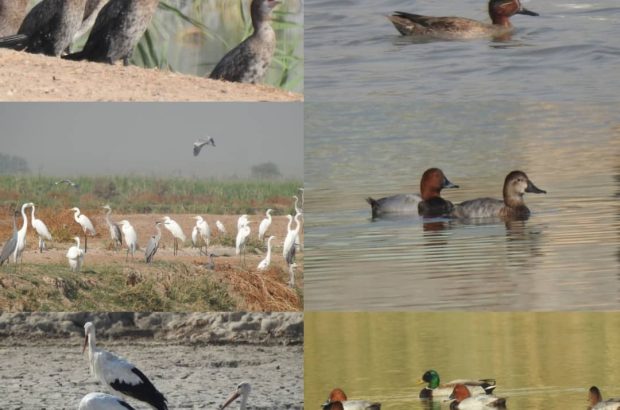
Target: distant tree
{"x": 268, "y": 170}
{"x": 10, "y": 164}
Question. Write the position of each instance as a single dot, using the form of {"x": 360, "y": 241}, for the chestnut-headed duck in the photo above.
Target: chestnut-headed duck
{"x": 434, "y": 388}
{"x": 337, "y": 400}
{"x": 429, "y": 203}
{"x": 516, "y": 185}
{"x": 596, "y": 401}
{"x": 464, "y": 400}
{"x": 454, "y": 28}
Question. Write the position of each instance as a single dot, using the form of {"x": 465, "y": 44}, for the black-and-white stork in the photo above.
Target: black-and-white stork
{"x": 122, "y": 377}
{"x": 243, "y": 390}
{"x": 103, "y": 401}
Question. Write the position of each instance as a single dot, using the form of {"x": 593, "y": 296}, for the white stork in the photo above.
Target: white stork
{"x": 103, "y": 401}
{"x": 120, "y": 376}
{"x": 243, "y": 390}
{"x": 86, "y": 224}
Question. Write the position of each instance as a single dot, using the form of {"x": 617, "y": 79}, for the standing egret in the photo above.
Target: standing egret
{"x": 243, "y": 390}
{"x": 242, "y": 221}
{"x": 220, "y": 226}
{"x": 119, "y": 375}
{"x": 21, "y": 234}
{"x": 131, "y": 238}
{"x": 75, "y": 255}
{"x": 115, "y": 230}
{"x": 242, "y": 237}
{"x": 201, "y": 143}
{"x": 264, "y": 264}
{"x": 153, "y": 244}
{"x": 291, "y": 273}
{"x": 11, "y": 243}
{"x": 41, "y": 229}
{"x": 103, "y": 401}
{"x": 86, "y": 224}
{"x": 196, "y": 238}
{"x": 175, "y": 230}
{"x": 297, "y": 208}
{"x": 204, "y": 231}
{"x": 264, "y": 225}
{"x": 291, "y": 237}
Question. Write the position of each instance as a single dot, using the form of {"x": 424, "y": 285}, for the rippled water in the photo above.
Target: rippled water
{"x": 539, "y": 360}
{"x": 354, "y": 53}
{"x": 566, "y": 256}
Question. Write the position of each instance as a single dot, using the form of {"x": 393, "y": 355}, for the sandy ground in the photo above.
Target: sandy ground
{"x": 30, "y": 77}
{"x": 42, "y": 371}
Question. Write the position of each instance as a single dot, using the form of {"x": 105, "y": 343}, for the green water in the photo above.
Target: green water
{"x": 539, "y": 360}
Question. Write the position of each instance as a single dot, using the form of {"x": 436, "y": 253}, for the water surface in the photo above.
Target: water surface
{"x": 566, "y": 256}
{"x": 568, "y": 52}
{"x": 539, "y": 360}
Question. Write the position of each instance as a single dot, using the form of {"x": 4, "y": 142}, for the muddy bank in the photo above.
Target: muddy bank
{"x": 176, "y": 328}
{"x": 32, "y": 77}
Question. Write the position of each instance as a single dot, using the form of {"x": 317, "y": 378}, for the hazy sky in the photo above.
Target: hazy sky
{"x": 71, "y": 139}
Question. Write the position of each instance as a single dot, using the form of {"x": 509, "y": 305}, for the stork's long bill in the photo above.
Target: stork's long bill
{"x": 232, "y": 398}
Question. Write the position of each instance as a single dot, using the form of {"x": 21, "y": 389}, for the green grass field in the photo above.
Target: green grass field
{"x": 136, "y": 194}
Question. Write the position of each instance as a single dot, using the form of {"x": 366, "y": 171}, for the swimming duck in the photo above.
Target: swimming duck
{"x": 338, "y": 400}
{"x": 596, "y": 401}
{"x": 464, "y": 400}
{"x": 435, "y": 389}
{"x": 429, "y": 203}
{"x": 512, "y": 207}
{"x": 459, "y": 27}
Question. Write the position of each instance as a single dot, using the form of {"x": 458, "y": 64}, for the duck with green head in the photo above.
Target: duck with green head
{"x": 434, "y": 388}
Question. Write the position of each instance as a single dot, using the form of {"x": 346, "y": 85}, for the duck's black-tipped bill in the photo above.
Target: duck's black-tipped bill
{"x": 534, "y": 189}
{"x": 527, "y": 12}
{"x": 448, "y": 184}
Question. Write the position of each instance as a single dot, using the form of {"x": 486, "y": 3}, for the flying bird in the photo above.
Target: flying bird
{"x": 201, "y": 143}
{"x": 68, "y": 182}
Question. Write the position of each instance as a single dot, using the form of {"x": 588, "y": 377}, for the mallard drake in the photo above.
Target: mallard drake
{"x": 435, "y": 389}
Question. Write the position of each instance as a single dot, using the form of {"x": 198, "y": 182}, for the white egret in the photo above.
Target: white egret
{"x": 75, "y": 255}
{"x": 201, "y": 143}
{"x": 131, "y": 238}
{"x": 153, "y": 244}
{"x": 176, "y": 231}
{"x": 86, "y": 224}
{"x": 240, "y": 242}
{"x": 115, "y": 230}
{"x": 291, "y": 237}
{"x": 116, "y": 373}
{"x": 220, "y": 226}
{"x": 264, "y": 264}
{"x": 242, "y": 221}
{"x": 264, "y": 225}
{"x": 11, "y": 243}
{"x": 203, "y": 231}
{"x": 196, "y": 238}
{"x": 243, "y": 390}
{"x": 21, "y": 234}
{"x": 41, "y": 230}
{"x": 103, "y": 401}
{"x": 291, "y": 273}
{"x": 297, "y": 208}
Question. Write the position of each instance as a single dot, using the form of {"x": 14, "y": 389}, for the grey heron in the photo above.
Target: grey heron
{"x": 153, "y": 245}
{"x": 201, "y": 143}
{"x": 11, "y": 244}
{"x": 115, "y": 230}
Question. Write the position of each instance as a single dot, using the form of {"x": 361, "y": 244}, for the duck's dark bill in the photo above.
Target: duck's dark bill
{"x": 534, "y": 189}
{"x": 527, "y": 12}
